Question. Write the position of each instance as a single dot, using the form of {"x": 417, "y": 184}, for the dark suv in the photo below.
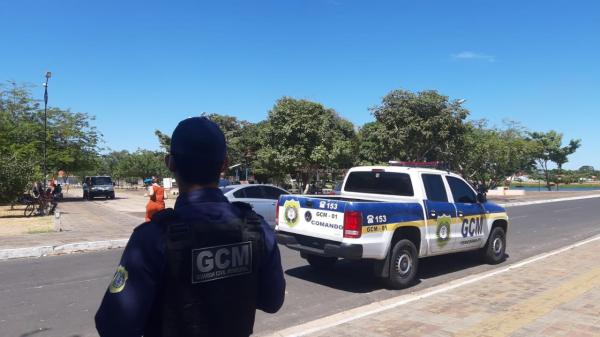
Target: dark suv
{"x": 98, "y": 186}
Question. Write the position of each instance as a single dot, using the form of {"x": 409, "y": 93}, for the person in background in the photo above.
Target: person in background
{"x": 157, "y": 199}
{"x": 223, "y": 181}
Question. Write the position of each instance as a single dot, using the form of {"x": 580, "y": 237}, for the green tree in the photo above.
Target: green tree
{"x": 234, "y": 131}
{"x": 549, "y": 149}
{"x": 491, "y": 155}
{"x": 143, "y": 164}
{"x": 303, "y": 137}
{"x": 16, "y": 174}
{"x": 164, "y": 140}
{"x": 72, "y": 140}
{"x": 372, "y": 148}
{"x": 423, "y": 126}
{"x": 112, "y": 164}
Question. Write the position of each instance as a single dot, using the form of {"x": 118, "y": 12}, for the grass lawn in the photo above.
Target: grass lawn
{"x": 13, "y": 222}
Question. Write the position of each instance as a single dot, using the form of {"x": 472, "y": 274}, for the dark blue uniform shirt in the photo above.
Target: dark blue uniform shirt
{"x": 132, "y": 304}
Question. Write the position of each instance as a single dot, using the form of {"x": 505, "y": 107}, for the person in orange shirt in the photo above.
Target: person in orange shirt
{"x": 157, "y": 199}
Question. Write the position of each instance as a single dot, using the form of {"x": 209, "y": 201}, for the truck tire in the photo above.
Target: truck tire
{"x": 494, "y": 250}
{"x": 321, "y": 262}
{"x": 404, "y": 262}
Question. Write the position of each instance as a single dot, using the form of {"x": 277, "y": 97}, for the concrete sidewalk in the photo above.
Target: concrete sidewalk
{"x": 86, "y": 225}
{"x": 557, "y": 294}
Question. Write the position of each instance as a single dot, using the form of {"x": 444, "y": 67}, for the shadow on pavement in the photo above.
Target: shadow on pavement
{"x": 80, "y": 199}
{"x": 435, "y": 266}
{"x": 357, "y": 276}
{"x": 351, "y": 276}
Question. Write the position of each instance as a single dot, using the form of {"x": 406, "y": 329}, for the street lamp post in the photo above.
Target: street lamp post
{"x": 48, "y": 75}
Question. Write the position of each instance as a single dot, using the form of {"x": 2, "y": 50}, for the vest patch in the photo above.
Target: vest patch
{"x": 219, "y": 262}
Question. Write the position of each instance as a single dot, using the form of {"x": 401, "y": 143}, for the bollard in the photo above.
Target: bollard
{"x": 57, "y": 226}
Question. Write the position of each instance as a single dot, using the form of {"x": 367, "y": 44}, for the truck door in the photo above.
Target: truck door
{"x": 440, "y": 214}
{"x": 471, "y": 215}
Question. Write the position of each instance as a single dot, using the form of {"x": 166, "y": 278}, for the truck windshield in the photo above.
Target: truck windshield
{"x": 101, "y": 181}
{"x": 380, "y": 183}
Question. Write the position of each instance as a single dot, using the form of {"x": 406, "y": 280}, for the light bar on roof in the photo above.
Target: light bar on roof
{"x": 427, "y": 164}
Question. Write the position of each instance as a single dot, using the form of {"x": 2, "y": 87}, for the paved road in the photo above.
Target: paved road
{"x": 58, "y": 296}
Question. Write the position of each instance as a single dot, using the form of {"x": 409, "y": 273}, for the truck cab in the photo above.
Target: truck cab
{"x": 393, "y": 215}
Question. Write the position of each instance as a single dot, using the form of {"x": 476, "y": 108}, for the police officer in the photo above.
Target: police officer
{"x": 201, "y": 269}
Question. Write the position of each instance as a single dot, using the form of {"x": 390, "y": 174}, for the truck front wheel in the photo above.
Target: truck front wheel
{"x": 404, "y": 262}
{"x": 494, "y": 250}
{"x": 321, "y": 262}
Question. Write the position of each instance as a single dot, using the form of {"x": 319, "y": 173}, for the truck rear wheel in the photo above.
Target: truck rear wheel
{"x": 321, "y": 262}
{"x": 404, "y": 263}
{"x": 494, "y": 250}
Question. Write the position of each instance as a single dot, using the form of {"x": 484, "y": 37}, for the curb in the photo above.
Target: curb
{"x": 39, "y": 251}
{"x": 349, "y": 315}
{"x": 548, "y": 201}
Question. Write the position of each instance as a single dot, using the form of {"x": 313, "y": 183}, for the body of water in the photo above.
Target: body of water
{"x": 560, "y": 188}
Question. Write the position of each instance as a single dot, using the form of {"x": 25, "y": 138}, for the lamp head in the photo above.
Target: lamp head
{"x": 48, "y": 74}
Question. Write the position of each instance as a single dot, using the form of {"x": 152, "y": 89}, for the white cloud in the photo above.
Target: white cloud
{"x": 469, "y": 55}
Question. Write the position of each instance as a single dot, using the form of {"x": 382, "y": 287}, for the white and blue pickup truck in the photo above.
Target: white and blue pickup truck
{"x": 393, "y": 215}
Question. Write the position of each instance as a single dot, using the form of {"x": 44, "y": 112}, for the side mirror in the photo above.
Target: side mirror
{"x": 481, "y": 197}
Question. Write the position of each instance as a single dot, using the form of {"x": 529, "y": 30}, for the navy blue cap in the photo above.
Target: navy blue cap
{"x": 199, "y": 150}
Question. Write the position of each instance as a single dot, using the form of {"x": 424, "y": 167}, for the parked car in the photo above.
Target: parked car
{"x": 337, "y": 189}
{"x": 393, "y": 215}
{"x": 263, "y": 198}
{"x": 98, "y": 186}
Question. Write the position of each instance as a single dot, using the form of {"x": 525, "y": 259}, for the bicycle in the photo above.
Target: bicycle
{"x": 42, "y": 205}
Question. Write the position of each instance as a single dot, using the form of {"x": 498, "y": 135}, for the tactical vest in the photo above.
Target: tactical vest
{"x": 211, "y": 279}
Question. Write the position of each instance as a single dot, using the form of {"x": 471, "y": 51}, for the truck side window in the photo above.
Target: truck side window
{"x": 461, "y": 191}
{"x": 434, "y": 187}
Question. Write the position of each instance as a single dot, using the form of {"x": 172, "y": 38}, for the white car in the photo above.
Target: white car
{"x": 263, "y": 198}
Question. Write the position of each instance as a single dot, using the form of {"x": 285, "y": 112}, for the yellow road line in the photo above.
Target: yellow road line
{"x": 519, "y": 315}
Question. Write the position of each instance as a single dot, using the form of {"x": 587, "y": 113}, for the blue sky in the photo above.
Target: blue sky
{"x": 141, "y": 65}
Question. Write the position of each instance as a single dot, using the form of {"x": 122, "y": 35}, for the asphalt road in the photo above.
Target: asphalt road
{"x": 59, "y": 295}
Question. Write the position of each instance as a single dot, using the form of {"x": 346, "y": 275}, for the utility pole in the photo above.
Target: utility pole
{"x": 48, "y": 75}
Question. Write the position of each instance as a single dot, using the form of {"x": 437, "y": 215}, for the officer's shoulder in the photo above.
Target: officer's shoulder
{"x": 158, "y": 222}
{"x": 246, "y": 210}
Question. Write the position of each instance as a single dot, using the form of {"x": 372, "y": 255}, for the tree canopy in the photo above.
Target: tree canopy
{"x": 301, "y": 137}
{"x": 72, "y": 140}
{"x": 490, "y": 155}
{"x": 548, "y": 148}
{"x": 423, "y": 126}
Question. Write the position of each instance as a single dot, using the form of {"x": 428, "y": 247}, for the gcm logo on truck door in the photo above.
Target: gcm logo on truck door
{"x": 472, "y": 226}
{"x": 470, "y": 212}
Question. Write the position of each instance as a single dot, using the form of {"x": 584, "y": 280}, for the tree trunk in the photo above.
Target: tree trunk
{"x": 547, "y": 176}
